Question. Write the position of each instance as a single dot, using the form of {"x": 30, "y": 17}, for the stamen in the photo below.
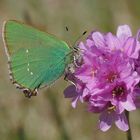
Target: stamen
{"x": 118, "y": 91}
{"x": 92, "y": 72}
{"x": 111, "y": 77}
{"x": 111, "y": 108}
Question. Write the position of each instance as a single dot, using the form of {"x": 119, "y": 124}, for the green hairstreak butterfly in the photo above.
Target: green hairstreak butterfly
{"x": 36, "y": 59}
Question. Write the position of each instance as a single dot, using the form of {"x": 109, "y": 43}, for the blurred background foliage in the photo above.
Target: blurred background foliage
{"x": 49, "y": 116}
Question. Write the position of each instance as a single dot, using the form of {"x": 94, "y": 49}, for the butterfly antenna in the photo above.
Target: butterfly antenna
{"x": 78, "y": 38}
{"x": 68, "y": 35}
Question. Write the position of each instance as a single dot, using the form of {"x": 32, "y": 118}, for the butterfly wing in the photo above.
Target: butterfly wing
{"x": 35, "y": 57}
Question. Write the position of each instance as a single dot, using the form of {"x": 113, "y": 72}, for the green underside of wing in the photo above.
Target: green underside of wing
{"x": 37, "y": 67}
{"x": 19, "y": 35}
{"x": 37, "y": 58}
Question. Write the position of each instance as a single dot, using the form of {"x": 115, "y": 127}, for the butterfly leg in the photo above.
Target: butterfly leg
{"x": 65, "y": 77}
{"x": 68, "y": 71}
{"x": 77, "y": 60}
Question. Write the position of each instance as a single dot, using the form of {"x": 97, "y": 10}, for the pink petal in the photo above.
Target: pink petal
{"x": 106, "y": 121}
{"x": 112, "y": 41}
{"x": 82, "y": 46}
{"x": 121, "y": 122}
{"x": 98, "y": 39}
{"x": 135, "y": 54}
{"x": 138, "y": 35}
{"x": 89, "y": 43}
{"x": 84, "y": 73}
{"x": 125, "y": 70}
{"x": 119, "y": 108}
{"x": 88, "y": 58}
{"x": 123, "y": 32}
{"x": 129, "y": 47}
{"x": 95, "y": 109}
{"x": 129, "y": 104}
{"x": 91, "y": 85}
{"x": 74, "y": 102}
{"x": 132, "y": 81}
{"x": 70, "y": 91}
{"x": 85, "y": 92}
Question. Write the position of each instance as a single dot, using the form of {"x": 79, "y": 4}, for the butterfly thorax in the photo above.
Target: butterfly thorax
{"x": 76, "y": 62}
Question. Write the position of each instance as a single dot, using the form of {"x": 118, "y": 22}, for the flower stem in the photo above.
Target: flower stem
{"x": 129, "y": 136}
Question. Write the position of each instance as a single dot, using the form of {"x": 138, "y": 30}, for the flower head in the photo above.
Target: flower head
{"x": 108, "y": 76}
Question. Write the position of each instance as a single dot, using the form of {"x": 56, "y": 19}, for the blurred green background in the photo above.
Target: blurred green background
{"x": 49, "y": 116}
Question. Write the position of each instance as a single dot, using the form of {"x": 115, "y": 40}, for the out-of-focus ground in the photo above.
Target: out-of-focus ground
{"x": 49, "y": 116}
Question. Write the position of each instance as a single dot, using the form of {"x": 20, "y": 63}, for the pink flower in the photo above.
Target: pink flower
{"x": 109, "y": 116}
{"x": 75, "y": 91}
{"x": 108, "y": 77}
{"x": 123, "y": 41}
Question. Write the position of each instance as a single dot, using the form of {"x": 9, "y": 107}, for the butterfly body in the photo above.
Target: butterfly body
{"x": 36, "y": 58}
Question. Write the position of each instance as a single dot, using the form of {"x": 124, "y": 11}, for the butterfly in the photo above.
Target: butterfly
{"x": 35, "y": 58}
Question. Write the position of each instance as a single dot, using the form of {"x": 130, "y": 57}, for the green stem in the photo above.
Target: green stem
{"x": 129, "y": 136}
